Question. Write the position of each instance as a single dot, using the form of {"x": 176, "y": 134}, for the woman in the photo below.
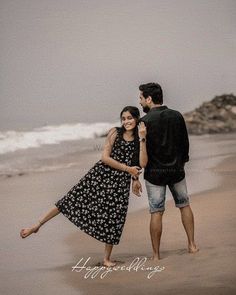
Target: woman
{"x": 98, "y": 203}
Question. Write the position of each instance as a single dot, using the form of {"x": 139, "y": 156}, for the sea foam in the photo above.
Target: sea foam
{"x": 11, "y": 141}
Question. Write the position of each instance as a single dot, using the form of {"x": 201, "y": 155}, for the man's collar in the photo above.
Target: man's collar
{"x": 158, "y": 108}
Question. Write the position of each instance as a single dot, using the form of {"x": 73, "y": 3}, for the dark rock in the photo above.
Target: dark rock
{"x": 215, "y": 116}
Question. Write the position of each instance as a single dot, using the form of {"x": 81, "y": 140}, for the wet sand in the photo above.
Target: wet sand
{"x": 42, "y": 263}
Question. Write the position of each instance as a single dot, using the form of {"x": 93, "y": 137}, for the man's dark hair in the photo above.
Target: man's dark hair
{"x": 154, "y": 90}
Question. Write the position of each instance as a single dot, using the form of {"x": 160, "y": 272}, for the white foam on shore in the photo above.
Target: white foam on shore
{"x": 11, "y": 141}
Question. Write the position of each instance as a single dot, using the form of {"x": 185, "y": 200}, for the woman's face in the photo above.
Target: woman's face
{"x": 128, "y": 121}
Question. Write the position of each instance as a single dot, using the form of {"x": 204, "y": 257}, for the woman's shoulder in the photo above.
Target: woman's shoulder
{"x": 118, "y": 129}
{"x": 113, "y": 132}
{"x": 115, "y": 129}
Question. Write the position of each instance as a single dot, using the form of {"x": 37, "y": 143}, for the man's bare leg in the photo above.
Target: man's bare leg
{"x": 25, "y": 232}
{"x": 155, "y": 232}
{"x": 188, "y": 223}
{"x": 107, "y": 254}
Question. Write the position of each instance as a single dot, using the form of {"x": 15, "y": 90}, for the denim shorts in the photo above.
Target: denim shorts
{"x": 157, "y": 195}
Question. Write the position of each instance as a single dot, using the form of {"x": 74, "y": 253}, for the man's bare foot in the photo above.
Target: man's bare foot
{"x": 193, "y": 249}
{"x": 25, "y": 232}
{"x": 108, "y": 263}
{"x": 155, "y": 258}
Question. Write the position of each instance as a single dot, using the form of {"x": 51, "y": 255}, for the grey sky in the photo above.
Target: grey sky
{"x": 82, "y": 61}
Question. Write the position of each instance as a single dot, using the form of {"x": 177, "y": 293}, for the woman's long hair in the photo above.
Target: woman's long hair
{"x": 134, "y": 111}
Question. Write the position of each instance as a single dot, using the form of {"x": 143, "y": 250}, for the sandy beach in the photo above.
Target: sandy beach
{"x": 42, "y": 263}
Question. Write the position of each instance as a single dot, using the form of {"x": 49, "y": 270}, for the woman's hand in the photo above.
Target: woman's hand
{"x": 142, "y": 130}
{"x": 134, "y": 170}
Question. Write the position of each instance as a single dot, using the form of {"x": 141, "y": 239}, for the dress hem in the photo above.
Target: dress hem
{"x": 83, "y": 229}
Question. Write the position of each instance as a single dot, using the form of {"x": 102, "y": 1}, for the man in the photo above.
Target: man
{"x": 167, "y": 148}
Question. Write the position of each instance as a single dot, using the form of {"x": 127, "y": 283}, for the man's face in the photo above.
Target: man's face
{"x": 143, "y": 103}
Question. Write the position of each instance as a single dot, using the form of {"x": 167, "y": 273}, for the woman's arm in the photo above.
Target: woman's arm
{"x": 143, "y": 157}
{"x": 110, "y": 161}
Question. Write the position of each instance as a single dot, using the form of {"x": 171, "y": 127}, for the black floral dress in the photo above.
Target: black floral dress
{"x": 98, "y": 203}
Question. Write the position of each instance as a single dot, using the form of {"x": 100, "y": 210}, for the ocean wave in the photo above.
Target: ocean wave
{"x": 47, "y": 168}
{"x": 11, "y": 141}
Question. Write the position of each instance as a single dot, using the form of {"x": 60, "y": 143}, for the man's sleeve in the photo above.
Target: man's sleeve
{"x": 135, "y": 158}
{"x": 185, "y": 140}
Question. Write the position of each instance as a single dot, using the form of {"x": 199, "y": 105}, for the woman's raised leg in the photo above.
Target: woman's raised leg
{"x": 25, "y": 232}
{"x": 107, "y": 255}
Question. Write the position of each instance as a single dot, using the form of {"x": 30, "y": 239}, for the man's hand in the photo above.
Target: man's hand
{"x": 134, "y": 170}
{"x": 142, "y": 130}
{"x": 137, "y": 188}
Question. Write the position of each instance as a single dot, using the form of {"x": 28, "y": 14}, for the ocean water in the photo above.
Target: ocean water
{"x": 48, "y": 147}
{"x": 55, "y": 147}
{"x": 12, "y": 140}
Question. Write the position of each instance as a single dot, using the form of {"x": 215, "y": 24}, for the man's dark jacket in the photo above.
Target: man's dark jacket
{"x": 167, "y": 146}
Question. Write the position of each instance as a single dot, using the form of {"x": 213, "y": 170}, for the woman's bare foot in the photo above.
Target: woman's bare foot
{"x": 25, "y": 232}
{"x": 108, "y": 263}
{"x": 193, "y": 249}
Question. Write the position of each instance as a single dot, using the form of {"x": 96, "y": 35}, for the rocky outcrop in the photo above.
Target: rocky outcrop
{"x": 215, "y": 116}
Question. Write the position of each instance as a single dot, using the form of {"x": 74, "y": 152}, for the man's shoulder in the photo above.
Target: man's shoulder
{"x": 144, "y": 118}
{"x": 167, "y": 111}
{"x": 170, "y": 110}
